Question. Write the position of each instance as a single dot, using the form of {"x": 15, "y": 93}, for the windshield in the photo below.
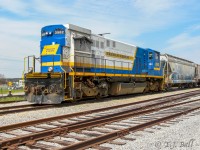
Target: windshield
{"x": 57, "y": 31}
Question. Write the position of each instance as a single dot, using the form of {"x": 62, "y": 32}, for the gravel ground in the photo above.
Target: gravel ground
{"x": 33, "y": 115}
{"x": 182, "y": 135}
{"x": 14, "y": 104}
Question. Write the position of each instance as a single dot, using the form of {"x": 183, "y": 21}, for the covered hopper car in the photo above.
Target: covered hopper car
{"x": 198, "y": 74}
{"x": 179, "y": 72}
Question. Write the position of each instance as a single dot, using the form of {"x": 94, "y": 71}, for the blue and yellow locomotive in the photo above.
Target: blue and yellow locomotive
{"x": 77, "y": 64}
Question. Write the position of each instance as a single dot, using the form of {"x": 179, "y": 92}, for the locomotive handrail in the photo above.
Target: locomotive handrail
{"x": 82, "y": 64}
{"x": 62, "y": 70}
{"x": 27, "y": 57}
{"x": 24, "y": 68}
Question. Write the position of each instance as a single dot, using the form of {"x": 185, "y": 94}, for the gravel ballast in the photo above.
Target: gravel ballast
{"x": 56, "y": 111}
{"x": 181, "y": 135}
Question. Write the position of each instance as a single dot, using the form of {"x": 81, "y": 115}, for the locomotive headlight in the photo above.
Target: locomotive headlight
{"x": 50, "y": 69}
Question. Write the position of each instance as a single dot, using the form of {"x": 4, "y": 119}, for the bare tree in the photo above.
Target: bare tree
{"x": 2, "y": 79}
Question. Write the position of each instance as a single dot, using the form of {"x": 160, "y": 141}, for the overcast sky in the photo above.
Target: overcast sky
{"x": 169, "y": 26}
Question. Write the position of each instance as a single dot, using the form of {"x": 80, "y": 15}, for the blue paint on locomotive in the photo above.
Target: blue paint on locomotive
{"x": 55, "y": 68}
{"x": 147, "y": 62}
{"x": 140, "y": 66}
{"x": 53, "y": 34}
{"x": 50, "y": 58}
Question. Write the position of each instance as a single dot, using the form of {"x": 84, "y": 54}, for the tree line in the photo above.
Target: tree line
{"x": 2, "y": 79}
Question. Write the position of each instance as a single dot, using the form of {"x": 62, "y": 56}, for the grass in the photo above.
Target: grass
{"x": 11, "y": 99}
{"x": 6, "y": 91}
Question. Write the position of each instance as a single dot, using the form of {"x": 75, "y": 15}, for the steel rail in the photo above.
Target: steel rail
{"x": 9, "y": 102}
{"x": 117, "y": 134}
{"x": 117, "y": 116}
{"x": 27, "y": 108}
{"x": 39, "y": 121}
{"x": 13, "y": 109}
{"x": 18, "y": 95}
{"x": 63, "y": 129}
{"x": 18, "y": 106}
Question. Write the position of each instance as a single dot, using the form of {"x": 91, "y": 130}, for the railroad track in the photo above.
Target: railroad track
{"x": 3, "y": 102}
{"x": 94, "y": 127}
{"x": 171, "y": 97}
{"x": 12, "y": 96}
{"x": 92, "y": 99}
{"x": 22, "y": 100}
{"x": 22, "y": 108}
{"x": 34, "y": 107}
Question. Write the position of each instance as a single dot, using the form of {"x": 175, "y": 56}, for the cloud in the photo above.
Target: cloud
{"x": 154, "y": 6}
{"x": 126, "y": 20}
{"x": 19, "y": 36}
{"x": 182, "y": 41}
{"x": 185, "y": 44}
{"x": 19, "y": 28}
{"x": 18, "y": 39}
{"x": 194, "y": 28}
{"x": 17, "y": 6}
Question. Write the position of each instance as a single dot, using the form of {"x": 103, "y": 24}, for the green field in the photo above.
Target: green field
{"x": 11, "y": 99}
{"x": 6, "y": 91}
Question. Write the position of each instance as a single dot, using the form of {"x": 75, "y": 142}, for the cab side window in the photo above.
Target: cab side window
{"x": 156, "y": 56}
{"x": 150, "y": 55}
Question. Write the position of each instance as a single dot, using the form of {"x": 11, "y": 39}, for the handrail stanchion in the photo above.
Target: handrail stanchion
{"x": 65, "y": 86}
{"x": 33, "y": 63}
{"x": 41, "y": 63}
{"x": 114, "y": 67}
{"x": 128, "y": 69}
{"x": 53, "y": 61}
{"x": 121, "y": 68}
{"x": 83, "y": 65}
{"x": 95, "y": 66}
{"x": 105, "y": 67}
{"x": 75, "y": 66}
{"x": 28, "y": 62}
{"x": 24, "y": 67}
